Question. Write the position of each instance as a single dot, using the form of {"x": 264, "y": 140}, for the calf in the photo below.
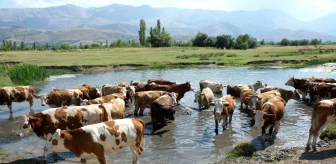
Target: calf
{"x": 145, "y": 99}
{"x": 204, "y": 98}
{"x": 162, "y": 108}
{"x": 160, "y": 81}
{"x": 285, "y": 94}
{"x": 63, "y": 97}
{"x": 17, "y": 94}
{"x": 215, "y": 87}
{"x": 270, "y": 115}
{"x": 45, "y": 123}
{"x": 92, "y": 141}
{"x": 235, "y": 89}
{"x": 224, "y": 108}
{"x": 324, "y": 113}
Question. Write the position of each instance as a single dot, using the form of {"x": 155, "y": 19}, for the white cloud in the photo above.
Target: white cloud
{"x": 301, "y": 9}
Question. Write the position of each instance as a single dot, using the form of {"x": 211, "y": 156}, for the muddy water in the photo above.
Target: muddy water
{"x": 191, "y": 137}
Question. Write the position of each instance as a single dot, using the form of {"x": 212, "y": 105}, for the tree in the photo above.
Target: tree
{"x": 14, "y": 46}
{"x": 34, "y": 46}
{"x": 22, "y": 47}
{"x": 106, "y": 44}
{"x": 315, "y": 42}
{"x": 262, "y": 42}
{"x": 142, "y": 32}
{"x": 199, "y": 40}
{"x": 284, "y": 42}
{"x": 158, "y": 37}
{"x": 221, "y": 41}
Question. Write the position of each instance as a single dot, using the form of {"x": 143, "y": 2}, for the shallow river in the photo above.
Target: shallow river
{"x": 191, "y": 137}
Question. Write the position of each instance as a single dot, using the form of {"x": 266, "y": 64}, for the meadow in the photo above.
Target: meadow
{"x": 293, "y": 56}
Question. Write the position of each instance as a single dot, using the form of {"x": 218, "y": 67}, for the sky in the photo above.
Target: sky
{"x": 305, "y": 10}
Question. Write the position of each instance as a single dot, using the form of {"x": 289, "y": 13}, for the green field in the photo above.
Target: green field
{"x": 166, "y": 56}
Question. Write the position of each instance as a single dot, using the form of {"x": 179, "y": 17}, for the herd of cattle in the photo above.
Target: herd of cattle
{"x": 96, "y": 123}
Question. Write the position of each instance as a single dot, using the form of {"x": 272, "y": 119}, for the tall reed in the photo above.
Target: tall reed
{"x": 25, "y": 74}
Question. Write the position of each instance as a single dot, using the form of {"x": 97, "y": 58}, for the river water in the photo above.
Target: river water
{"x": 191, "y": 137}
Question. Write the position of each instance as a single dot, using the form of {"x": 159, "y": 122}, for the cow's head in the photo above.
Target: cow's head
{"x": 188, "y": 86}
{"x": 258, "y": 85}
{"x": 253, "y": 100}
{"x": 24, "y": 126}
{"x": 174, "y": 96}
{"x": 55, "y": 143}
{"x": 290, "y": 81}
{"x": 98, "y": 91}
{"x": 122, "y": 90}
{"x": 260, "y": 115}
{"x": 44, "y": 99}
{"x": 220, "y": 106}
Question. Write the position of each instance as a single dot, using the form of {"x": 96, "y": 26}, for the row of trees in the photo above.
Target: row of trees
{"x": 158, "y": 37}
{"x": 225, "y": 41}
{"x": 303, "y": 42}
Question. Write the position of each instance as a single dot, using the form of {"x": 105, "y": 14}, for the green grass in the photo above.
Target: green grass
{"x": 329, "y": 132}
{"x": 23, "y": 74}
{"x": 158, "y": 57}
{"x": 245, "y": 149}
{"x": 5, "y": 79}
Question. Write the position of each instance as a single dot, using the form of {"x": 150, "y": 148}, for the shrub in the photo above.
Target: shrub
{"x": 242, "y": 149}
{"x": 256, "y": 55}
{"x": 321, "y": 51}
{"x": 231, "y": 55}
{"x": 25, "y": 74}
{"x": 329, "y": 133}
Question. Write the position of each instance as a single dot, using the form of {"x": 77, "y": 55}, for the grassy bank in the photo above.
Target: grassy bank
{"x": 291, "y": 56}
{"x": 22, "y": 74}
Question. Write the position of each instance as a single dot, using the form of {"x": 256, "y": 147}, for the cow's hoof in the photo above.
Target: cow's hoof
{"x": 314, "y": 149}
{"x": 308, "y": 147}
{"x": 82, "y": 160}
{"x": 43, "y": 161}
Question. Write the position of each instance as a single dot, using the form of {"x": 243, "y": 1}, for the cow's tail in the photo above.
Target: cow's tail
{"x": 316, "y": 105}
{"x": 32, "y": 91}
{"x": 141, "y": 139}
{"x": 105, "y": 114}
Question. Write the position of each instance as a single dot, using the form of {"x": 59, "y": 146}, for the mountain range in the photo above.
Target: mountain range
{"x": 73, "y": 24}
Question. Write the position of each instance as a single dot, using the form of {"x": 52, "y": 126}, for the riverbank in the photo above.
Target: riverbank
{"x": 326, "y": 154}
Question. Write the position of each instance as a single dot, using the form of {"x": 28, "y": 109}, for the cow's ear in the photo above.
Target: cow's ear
{"x": 270, "y": 116}
{"x": 212, "y": 103}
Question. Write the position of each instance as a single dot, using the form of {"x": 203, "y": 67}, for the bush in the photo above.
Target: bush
{"x": 329, "y": 133}
{"x": 231, "y": 55}
{"x": 25, "y": 74}
{"x": 256, "y": 55}
{"x": 242, "y": 149}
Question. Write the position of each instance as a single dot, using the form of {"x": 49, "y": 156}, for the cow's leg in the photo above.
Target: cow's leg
{"x": 142, "y": 109}
{"x": 9, "y": 104}
{"x": 101, "y": 159}
{"x": 224, "y": 122}
{"x": 309, "y": 138}
{"x": 270, "y": 131}
{"x": 230, "y": 118}
{"x": 314, "y": 143}
{"x": 136, "y": 110}
{"x": 135, "y": 154}
{"x": 216, "y": 122}
{"x": 276, "y": 127}
{"x": 263, "y": 131}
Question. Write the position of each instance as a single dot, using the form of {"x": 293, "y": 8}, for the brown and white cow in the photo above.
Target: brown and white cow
{"x": 321, "y": 90}
{"x": 324, "y": 113}
{"x": 244, "y": 94}
{"x": 160, "y": 81}
{"x": 235, "y": 89}
{"x": 92, "y": 141}
{"x": 110, "y": 89}
{"x": 285, "y": 94}
{"x": 64, "y": 97}
{"x": 224, "y": 108}
{"x": 145, "y": 99}
{"x": 270, "y": 116}
{"x": 104, "y": 99}
{"x": 93, "y": 92}
{"x": 259, "y": 99}
{"x": 163, "y": 108}
{"x": 17, "y": 94}
{"x": 214, "y": 86}
{"x": 122, "y": 84}
{"x": 204, "y": 97}
{"x": 45, "y": 123}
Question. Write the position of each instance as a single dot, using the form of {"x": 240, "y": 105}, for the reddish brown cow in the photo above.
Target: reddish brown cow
{"x": 270, "y": 115}
{"x": 17, "y": 94}
{"x": 144, "y": 100}
{"x": 104, "y": 99}
{"x": 181, "y": 89}
{"x": 324, "y": 113}
{"x": 160, "y": 81}
{"x": 285, "y": 94}
{"x": 64, "y": 97}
